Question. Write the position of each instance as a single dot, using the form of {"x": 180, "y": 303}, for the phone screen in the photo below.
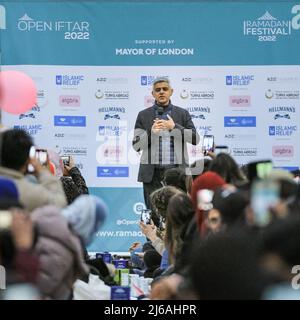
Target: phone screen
{"x": 264, "y": 195}
{"x": 208, "y": 143}
{"x": 259, "y": 169}
{"x": 32, "y": 152}
{"x": 42, "y": 156}
{"x": 204, "y": 199}
{"x": 146, "y": 216}
{"x": 264, "y": 169}
{"x": 65, "y": 160}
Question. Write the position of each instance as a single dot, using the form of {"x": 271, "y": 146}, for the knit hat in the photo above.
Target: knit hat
{"x": 86, "y": 214}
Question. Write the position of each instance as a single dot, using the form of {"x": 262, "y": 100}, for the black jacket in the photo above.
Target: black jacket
{"x": 184, "y": 132}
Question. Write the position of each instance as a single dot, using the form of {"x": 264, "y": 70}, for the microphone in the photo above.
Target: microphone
{"x": 160, "y": 110}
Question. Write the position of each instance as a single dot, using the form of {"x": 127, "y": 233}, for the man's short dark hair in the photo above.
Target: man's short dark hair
{"x": 161, "y": 79}
{"x": 15, "y": 146}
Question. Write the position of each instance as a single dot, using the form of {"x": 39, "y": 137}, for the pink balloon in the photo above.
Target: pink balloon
{"x": 17, "y": 92}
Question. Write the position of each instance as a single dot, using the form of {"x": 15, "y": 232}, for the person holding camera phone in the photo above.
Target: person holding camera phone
{"x": 73, "y": 182}
{"x": 208, "y": 147}
{"x": 15, "y": 159}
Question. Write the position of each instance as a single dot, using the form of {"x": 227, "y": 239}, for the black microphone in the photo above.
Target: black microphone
{"x": 160, "y": 110}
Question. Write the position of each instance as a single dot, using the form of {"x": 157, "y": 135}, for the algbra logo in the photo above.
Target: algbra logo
{"x": 239, "y": 101}
{"x": 72, "y": 30}
{"x": 2, "y": 18}
{"x": 269, "y": 28}
{"x": 69, "y": 101}
{"x": 283, "y": 151}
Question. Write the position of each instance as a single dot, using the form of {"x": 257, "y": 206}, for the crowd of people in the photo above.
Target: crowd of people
{"x": 47, "y": 218}
{"x": 220, "y": 234}
{"x": 227, "y": 234}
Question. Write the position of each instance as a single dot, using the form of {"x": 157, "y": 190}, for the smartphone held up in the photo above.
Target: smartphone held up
{"x": 40, "y": 154}
{"x": 146, "y": 216}
{"x": 264, "y": 196}
{"x": 208, "y": 144}
{"x": 65, "y": 160}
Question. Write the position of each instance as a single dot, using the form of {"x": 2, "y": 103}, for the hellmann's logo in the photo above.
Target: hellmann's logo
{"x": 282, "y": 151}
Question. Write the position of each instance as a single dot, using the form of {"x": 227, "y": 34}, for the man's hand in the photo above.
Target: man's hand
{"x": 169, "y": 124}
{"x": 149, "y": 230}
{"x": 160, "y": 124}
{"x": 157, "y": 126}
{"x": 68, "y": 168}
{"x": 134, "y": 246}
{"x": 38, "y": 168}
{"x": 210, "y": 154}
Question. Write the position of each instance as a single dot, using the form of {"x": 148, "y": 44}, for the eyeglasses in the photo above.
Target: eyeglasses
{"x": 161, "y": 89}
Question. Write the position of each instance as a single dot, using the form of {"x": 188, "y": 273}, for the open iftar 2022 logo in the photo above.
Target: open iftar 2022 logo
{"x": 269, "y": 28}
